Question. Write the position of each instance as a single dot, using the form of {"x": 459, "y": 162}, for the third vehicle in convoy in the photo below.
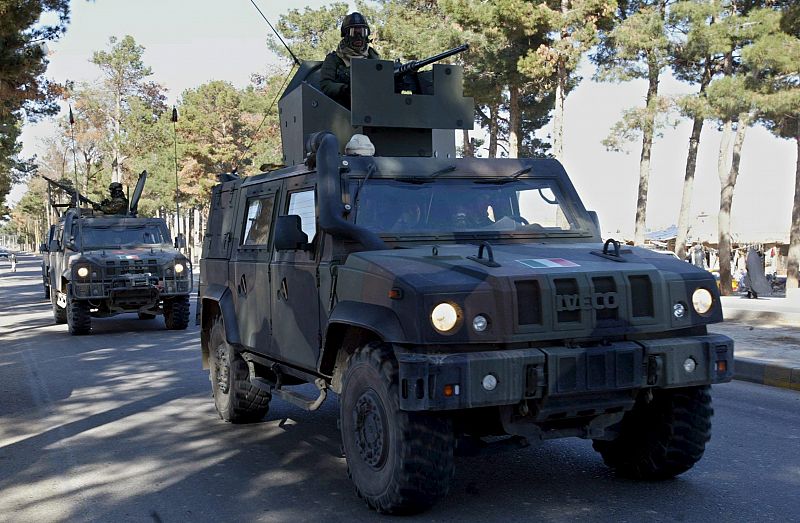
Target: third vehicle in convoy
{"x": 445, "y": 298}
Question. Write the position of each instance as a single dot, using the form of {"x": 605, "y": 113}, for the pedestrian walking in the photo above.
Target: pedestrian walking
{"x": 13, "y": 259}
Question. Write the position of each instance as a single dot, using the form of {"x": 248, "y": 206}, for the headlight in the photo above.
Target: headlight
{"x": 179, "y": 268}
{"x": 83, "y": 272}
{"x": 702, "y": 301}
{"x": 444, "y": 317}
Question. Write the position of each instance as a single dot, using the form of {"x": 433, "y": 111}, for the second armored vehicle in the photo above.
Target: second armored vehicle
{"x": 102, "y": 265}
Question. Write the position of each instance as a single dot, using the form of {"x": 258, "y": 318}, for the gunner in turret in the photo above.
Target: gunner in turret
{"x": 118, "y": 204}
{"x": 335, "y": 72}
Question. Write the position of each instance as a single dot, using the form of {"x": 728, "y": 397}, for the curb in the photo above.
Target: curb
{"x": 757, "y": 371}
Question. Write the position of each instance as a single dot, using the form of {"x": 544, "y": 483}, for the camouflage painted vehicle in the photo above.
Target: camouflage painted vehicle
{"x": 446, "y": 299}
{"x": 103, "y": 265}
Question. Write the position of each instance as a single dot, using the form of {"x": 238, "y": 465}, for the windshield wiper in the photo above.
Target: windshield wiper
{"x": 448, "y": 169}
{"x": 370, "y": 171}
{"x": 524, "y": 170}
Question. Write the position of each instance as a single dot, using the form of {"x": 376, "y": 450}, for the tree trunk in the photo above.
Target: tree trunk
{"x": 561, "y": 90}
{"x": 116, "y": 176}
{"x": 727, "y": 186}
{"x": 493, "y": 130}
{"x": 793, "y": 269}
{"x": 691, "y": 166}
{"x": 648, "y": 129}
{"x": 514, "y": 122}
{"x": 688, "y": 189}
{"x": 469, "y": 152}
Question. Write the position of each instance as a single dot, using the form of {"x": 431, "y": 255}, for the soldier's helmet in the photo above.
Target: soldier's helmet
{"x": 114, "y": 187}
{"x": 355, "y": 31}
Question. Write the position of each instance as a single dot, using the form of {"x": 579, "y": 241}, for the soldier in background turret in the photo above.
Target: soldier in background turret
{"x": 117, "y": 204}
{"x": 335, "y": 72}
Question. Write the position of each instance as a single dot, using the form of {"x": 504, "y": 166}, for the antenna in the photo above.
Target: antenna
{"x": 296, "y": 61}
{"x": 177, "y": 193}
{"x": 75, "y": 168}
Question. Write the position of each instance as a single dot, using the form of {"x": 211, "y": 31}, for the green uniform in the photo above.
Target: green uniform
{"x": 118, "y": 205}
{"x": 335, "y": 77}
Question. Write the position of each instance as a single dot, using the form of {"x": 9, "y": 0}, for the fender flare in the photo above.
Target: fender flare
{"x": 376, "y": 318}
{"x": 221, "y": 295}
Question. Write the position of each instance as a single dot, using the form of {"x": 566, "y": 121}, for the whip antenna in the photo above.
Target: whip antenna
{"x": 296, "y": 61}
{"x": 177, "y": 193}
{"x": 75, "y": 168}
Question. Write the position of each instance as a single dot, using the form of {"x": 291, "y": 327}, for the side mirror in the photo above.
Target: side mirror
{"x": 43, "y": 248}
{"x": 180, "y": 241}
{"x": 289, "y": 235}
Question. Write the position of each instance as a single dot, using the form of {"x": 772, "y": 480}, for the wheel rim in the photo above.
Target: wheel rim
{"x": 222, "y": 369}
{"x": 370, "y": 429}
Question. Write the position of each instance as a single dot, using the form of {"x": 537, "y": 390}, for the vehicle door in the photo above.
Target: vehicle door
{"x": 250, "y": 279}
{"x": 295, "y": 297}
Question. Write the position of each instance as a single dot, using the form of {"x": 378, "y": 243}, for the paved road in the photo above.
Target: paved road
{"x": 120, "y": 426}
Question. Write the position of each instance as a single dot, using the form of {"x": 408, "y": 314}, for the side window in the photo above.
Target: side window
{"x": 302, "y": 204}
{"x": 258, "y": 220}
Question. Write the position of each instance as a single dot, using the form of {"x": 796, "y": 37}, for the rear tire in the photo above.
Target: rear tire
{"x": 235, "y": 398}
{"x": 79, "y": 319}
{"x": 176, "y": 313}
{"x": 661, "y": 438}
{"x": 400, "y": 462}
{"x": 59, "y": 314}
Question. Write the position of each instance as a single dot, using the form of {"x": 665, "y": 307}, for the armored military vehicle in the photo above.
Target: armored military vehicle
{"x": 445, "y": 298}
{"x": 102, "y": 265}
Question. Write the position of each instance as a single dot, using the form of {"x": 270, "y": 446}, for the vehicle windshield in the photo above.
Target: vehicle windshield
{"x": 119, "y": 236}
{"x": 462, "y": 206}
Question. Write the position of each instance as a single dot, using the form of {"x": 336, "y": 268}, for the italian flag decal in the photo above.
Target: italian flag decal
{"x": 548, "y": 263}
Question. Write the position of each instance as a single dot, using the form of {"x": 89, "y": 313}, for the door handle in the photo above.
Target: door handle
{"x": 242, "y": 287}
{"x": 283, "y": 292}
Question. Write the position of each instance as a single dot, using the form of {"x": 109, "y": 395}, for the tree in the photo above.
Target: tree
{"x": 575, "y": 24}
{"x": 637, "y": 48}
{"x": 124, "y": 75}
{"x": 24, "y": 91}
{"x": 698, "y": 44}
{"x": 735, "y": 107}
{"x": 773, "y": 62}
{"x": 507, "y": 30}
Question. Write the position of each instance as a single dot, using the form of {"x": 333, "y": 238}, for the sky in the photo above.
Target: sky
{"x": 190, "y": 43}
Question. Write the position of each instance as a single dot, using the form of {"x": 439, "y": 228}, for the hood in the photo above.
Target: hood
{"x": 422, "y": 266}
{"x": 533, "y": 291}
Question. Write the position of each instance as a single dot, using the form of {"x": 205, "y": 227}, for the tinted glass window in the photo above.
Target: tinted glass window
{"x": 119, "y": 236}
{"x": 525, "y": 206}
{"x": 258, "y": 221}
{"x": 302, "y": 204}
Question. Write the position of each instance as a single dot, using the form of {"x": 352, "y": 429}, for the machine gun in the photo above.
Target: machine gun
{"x": 72, "y": 191}
{"x": 415, "y": 65}
{"x": 404, "y": 80}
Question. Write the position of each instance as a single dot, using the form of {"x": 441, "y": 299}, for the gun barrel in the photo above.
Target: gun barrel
{"x": 69, "y": 190}
{"x": 415, "y": 65}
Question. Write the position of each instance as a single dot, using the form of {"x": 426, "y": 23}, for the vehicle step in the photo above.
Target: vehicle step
{"x": 294, "y": 398}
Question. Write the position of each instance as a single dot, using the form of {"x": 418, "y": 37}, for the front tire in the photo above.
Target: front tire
{"x": 235, "y": 398}
{"x": 400, "y": 462}
{"x": 176, "y": 313}
{"x": 661, "y": 438}
{"x": 79, "y": 319}
{"x": 59, "y": 314}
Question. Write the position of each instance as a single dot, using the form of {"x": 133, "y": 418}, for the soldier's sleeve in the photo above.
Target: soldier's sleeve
{"x": 327, "y": 78}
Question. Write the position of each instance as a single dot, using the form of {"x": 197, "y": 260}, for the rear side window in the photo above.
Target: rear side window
{"x": 302, "y": 204}
{"x": 258, "y": 221}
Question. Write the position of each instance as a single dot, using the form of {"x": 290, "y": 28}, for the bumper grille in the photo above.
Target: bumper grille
{"x": 585, "y": 302}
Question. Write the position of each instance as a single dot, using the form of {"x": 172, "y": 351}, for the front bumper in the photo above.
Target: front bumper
{"x": 457, "y": 380}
